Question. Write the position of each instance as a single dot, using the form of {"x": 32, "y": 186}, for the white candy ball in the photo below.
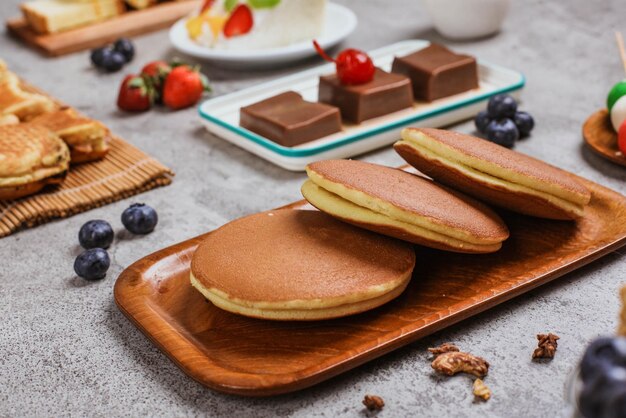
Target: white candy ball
{"x": 618, "y": 113}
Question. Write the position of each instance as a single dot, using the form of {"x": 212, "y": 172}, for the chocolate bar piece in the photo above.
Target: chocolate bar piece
{"x": 289, "y": 120}
{"x": 437, "y": 72}
{"x": 386, "y": 93}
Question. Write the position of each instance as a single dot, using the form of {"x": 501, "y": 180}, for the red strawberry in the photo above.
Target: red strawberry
{"x": 183, "y": 87}
{"x": 156, "y": 68}
{"x": 240, "y": 21}
{"x": 156, "y": 72}
{"x": 135, "y": 94}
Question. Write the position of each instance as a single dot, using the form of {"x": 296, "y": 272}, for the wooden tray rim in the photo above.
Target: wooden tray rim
{"x": 359, "y": 355}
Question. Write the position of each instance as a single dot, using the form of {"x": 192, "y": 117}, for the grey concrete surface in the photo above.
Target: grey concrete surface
{"x": 66, "y": 350}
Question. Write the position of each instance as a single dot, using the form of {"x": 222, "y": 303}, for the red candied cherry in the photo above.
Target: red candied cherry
{"x": 621, "y": 138}
{"x": 353, "y": 66}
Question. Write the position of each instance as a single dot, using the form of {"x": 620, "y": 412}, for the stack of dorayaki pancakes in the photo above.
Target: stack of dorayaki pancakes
{"x": 356, "y": 252}
{"x": 39, "y": 139}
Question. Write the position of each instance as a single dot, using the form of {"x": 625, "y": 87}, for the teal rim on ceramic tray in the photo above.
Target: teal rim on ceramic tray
{"x": 305, "y": 152}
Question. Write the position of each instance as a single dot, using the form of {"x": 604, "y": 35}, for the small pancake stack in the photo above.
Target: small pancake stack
{"x": 39, "y": 138}
{"x": 356, "y": 252}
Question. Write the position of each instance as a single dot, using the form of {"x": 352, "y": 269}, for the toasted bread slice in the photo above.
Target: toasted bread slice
{"x": 87, "y": 138}
{"x": 15, "y": 101}
{"x": 52, "y": 16}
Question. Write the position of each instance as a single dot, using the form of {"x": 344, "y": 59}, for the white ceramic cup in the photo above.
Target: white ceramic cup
{"x": 467, "y": 19}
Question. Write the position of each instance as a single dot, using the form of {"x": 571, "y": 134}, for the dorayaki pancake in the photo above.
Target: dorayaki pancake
{"x": 403, "y": 205}
{"x": 87, "y": 138}
{"x": 493, "y": 173}
{"x": 15, "y": 101}
{"x": 299, "y": 265}
{"x": 30, "y": 157}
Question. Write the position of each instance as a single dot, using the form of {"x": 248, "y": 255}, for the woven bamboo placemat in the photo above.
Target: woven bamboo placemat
{"x": 125, "y": 171}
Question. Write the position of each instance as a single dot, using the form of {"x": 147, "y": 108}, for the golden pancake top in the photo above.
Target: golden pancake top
{"x": 416, "y": 195}
{"x": 29, "y": 153}
{"x": 298, "y": 255}
{"x": 503, "y": 162}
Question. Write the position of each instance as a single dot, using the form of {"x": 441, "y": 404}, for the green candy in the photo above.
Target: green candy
{"x": 263, "y": 4}
{"x": 616, "y": 92}
{"x": 229, "y": 5}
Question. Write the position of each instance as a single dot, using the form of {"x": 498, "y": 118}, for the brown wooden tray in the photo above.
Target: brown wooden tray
{"x": 129, "y": 24}
{"x": 254, "y": 357}
{"x": 601, "y": 138}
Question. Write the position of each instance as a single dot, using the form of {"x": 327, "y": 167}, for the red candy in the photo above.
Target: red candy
{"x": 353, "y": 66}
{"x": 621, "y": 138}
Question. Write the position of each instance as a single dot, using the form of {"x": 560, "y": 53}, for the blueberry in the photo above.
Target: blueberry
{"x": 602, "y": 354}
{"x": 502, "y": 132}
{"x": 92, "y": 264}
{"x": 96, "y": 234}
{"x": 605, "y": 393}
{"x": 481, "y": 121}
{"x": 616, "y": 402}
{"x": 125, "y": 47}
{"x": 591, "y": 404}
{"x": 524, "y": 122}
{"x": 113, "y": 62}
{"x": 140, "y": 218}
{"x": 99, "y": 55}
{"x": 501, "y": 106}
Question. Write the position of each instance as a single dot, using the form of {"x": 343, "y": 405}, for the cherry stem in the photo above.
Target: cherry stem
{"x": 322, "y": 53}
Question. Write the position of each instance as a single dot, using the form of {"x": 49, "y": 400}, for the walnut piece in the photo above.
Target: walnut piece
{"x": 443, "y": 348}
{"x": 454, "y": 362}
{"x": 546, "y": 346}
{"x": 481, "y": 390}
{"x": 373, "y": 402}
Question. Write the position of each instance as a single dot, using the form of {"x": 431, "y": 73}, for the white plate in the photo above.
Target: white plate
{"x": 221, "y": 114}
{"x": 338, "y": 24}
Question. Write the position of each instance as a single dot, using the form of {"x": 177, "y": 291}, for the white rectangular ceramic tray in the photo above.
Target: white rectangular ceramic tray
{"x": 221, "y": 114}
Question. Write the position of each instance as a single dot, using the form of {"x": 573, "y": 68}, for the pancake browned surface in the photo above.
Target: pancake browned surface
{"x": 493, "y": 173}
{"x": 299, "y": 265}
{"x": 403, "y": 205}
{"x": 30, "y": 157}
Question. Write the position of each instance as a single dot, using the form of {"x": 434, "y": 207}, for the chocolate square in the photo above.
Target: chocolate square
{"x": 386, "y": 93}
{"x": 289, "y": 120}
{"x": 437, "y": 72}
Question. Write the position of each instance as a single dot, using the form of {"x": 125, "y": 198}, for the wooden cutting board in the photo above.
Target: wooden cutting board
{"x": 255, "y": 357}
{"x": 129, "y": 24}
